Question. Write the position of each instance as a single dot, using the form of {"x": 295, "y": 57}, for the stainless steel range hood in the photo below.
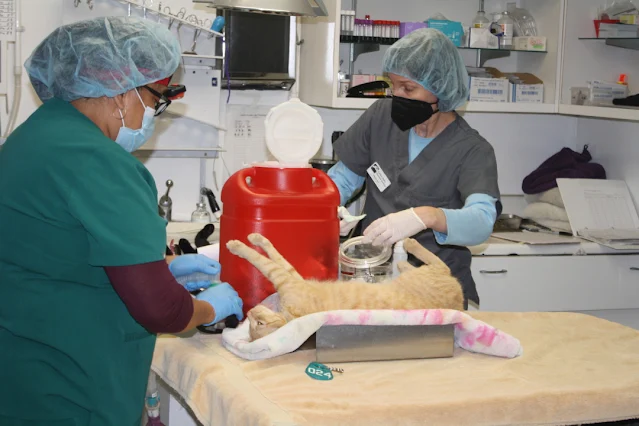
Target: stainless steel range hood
{"x": 277, "y": 7}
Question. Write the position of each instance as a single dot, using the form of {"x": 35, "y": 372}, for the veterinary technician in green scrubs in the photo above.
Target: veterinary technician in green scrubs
{"x": 428, "y": 174}
{"x": 84, "y": 285}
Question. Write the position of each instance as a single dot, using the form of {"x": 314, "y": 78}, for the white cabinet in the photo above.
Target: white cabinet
{"x": 557, "y": 283}
{"x": 323, "y": 55}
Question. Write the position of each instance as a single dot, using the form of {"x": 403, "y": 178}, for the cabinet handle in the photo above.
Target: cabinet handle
{"x": 634, "y": 268}
{"x": 501, "y": 271}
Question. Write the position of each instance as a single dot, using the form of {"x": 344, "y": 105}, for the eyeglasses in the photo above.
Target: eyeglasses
{"x": 165, "y": 98}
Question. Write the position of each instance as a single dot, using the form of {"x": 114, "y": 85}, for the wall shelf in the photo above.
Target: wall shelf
{"x": 611, "y": 113}
{"x": 495, "y": 107}
{"x": 631, "y": 43}
{"x": 388, "y": 41}
{"x": 180, "y": 20}
{"x": 178, "y": 153}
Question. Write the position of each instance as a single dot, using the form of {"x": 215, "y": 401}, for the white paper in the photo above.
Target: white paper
{"x": 598, "y": 204}
{"x": 245, "y": 140}
{"x": 536, "y": 238}
{"x": 601, "y": 211}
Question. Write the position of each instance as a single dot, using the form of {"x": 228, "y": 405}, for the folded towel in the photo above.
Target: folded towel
{"x": 564, "y": 164}
{"x": 548, "y": 215}
{"x": 470, "y": 334}
{"x": 552, "y": 196}
{"x": 537, "y": 211}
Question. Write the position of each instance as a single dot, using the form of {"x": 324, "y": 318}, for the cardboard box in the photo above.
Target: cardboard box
{"x": 526, "y": 88}
{"x": 603, "y": 92}
{"x": 629, "y": 19}
{"x": 488, "y": 85}
{"x": 451, "y": 29}
{"x": 482, "y": 38}
{"x": 618, "y": 30}
{"x": 534, "y": 44}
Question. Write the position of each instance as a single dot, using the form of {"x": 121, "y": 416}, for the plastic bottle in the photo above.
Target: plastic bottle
{"x": 507, "y": 25}
{"x": 152, "y": 402}
{"x": 399, "y": 255}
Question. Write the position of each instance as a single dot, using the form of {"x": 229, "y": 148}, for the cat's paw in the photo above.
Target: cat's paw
{"x": 404, "y": 266}
{"x": 259, "y": 240}
{"x": 235, "y": 246}
{"x": 410, "y": 244}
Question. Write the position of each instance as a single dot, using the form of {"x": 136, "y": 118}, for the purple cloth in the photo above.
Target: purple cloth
{"x": 564, "y": 164}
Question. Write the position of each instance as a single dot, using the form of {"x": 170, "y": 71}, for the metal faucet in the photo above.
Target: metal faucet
{"x": 165, "y": 205}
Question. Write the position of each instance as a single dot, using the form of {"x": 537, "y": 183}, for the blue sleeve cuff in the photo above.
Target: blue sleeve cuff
{"x": 347, "y": 181}
{"x": 470, "y": 225}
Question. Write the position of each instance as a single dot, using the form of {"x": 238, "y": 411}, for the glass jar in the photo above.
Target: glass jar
{"x": 200, "y": 214}
{"x": 364, "y": 262}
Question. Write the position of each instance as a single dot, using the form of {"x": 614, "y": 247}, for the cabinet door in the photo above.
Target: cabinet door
{"x": 557, "y": 283}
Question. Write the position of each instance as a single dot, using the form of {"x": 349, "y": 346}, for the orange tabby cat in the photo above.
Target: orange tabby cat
{"x": 430, "y": 286}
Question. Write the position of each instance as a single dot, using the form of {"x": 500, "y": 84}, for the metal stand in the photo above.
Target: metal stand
{"x": 487, "y": 55}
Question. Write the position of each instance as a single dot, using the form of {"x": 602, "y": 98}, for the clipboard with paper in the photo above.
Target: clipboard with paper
{"x": 601, "y": 211}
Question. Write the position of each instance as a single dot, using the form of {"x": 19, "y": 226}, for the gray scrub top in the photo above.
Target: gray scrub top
{"x": 456, "y": 164}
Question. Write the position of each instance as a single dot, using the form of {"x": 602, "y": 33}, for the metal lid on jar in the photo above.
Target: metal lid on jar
{"x": 357, "y": 254}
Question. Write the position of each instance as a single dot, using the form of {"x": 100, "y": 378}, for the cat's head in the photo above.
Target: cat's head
{"x": 263, "y": 321}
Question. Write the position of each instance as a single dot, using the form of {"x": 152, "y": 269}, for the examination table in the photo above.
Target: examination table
{"x": 575, "y": 369}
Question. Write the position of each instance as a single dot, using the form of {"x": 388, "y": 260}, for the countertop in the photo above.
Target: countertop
{"x": 492, "y": 247}
{"x": 498, "y": 247}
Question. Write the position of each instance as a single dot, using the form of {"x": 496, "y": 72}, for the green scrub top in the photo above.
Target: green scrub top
{"x": 71, "y": 202}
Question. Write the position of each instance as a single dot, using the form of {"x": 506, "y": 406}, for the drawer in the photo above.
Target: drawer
{"x": 557, "y": 283}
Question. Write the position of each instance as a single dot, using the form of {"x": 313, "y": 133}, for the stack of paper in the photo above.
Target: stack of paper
{"x": 601, "y": 211}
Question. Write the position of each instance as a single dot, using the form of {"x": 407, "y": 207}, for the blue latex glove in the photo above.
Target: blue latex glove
{"x": 192, "y": 263}
{"x": 188, "y": 264}
{"x": 224, "y": 300}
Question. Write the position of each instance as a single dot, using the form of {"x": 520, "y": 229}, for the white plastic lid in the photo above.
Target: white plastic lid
{"x": 294, "y": 132}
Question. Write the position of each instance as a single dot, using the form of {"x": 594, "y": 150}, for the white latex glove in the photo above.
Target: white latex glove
{"x": 347, "y": 221}
{"x": 394, "y": 227}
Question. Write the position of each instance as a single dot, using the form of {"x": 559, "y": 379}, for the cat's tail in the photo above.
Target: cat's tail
{"x": 422, "y": 253}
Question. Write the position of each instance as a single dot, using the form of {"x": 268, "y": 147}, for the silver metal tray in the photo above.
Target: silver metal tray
{"x": 353, "y": 343}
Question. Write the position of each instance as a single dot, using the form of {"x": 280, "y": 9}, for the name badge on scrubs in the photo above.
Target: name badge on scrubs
{"x": 379, "y": 177}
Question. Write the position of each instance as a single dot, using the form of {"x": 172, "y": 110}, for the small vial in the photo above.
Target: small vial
{"x": 399, "y": 255}
{"x": 201, "y": 214}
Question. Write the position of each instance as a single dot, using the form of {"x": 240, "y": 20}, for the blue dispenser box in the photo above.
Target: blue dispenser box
{"x": 451, "y": 29}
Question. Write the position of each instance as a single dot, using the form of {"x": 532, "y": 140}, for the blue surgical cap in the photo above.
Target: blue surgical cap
{"x": 102, "y": 57}
{"x": 429, "y": 58}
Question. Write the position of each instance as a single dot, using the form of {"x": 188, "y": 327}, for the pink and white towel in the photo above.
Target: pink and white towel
{"x": 470, "y": 334}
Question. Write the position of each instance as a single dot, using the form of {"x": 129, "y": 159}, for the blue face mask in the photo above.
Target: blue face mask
{"x": 130, "y": 139}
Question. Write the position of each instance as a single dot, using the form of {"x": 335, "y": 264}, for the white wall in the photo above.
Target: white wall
{"x": 521, "y": 142}
{"x": 615, "y": 145}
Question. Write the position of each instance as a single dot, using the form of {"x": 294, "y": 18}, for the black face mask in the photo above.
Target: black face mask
{"x": 408, "y": 113}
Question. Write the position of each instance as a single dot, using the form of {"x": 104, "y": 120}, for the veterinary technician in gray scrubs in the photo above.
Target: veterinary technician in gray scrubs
{"x": 429, "y": 175}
